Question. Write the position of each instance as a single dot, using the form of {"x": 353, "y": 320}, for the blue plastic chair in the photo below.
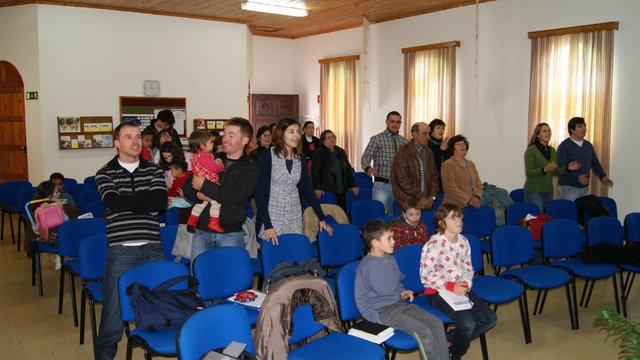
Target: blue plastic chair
{"x": 70, "y": 234}
{"x": 438, "y": 201}
{"x": 517, "y": 195}
{"x": 223, "y": 271}
{"x": 512, "y": 245}
{"x": 168, "y": 236}
{"x": 213, "y": 328}
{"x": 562, "y": 209}
{"x": 76, "y": 189}
{"x": 9, "y": 203}
{"x": 93, "y": 259}
{"x": 562, "y": 239}
{"x": 91, "y": 181}
{"x": 70, "y": 181}
{"x": 610, "y": 203}
{"x": 328, "y": 198}
{"x": 343, "y": 247}
{"x": 291, "y": 247}
{"x": 497, "y": 290}
{"x": 87, "y": 197}
{"x": 170, "y": 216}
{"x": 363, "y": 180}
{"x": 349, "y": 312}
{"x": 363, "y": 211}
{"x": 24, "y": 196}
{"x": 428, "y": 218}
{"x": 150, "y": 274}
{"x": 607, "y": 229}
{"x": 480, "y": 222}
{"x": 96, "y": 208}
{"x": 518, "y": 210}
{"x": 632, "y": 227}
{"x": 363, "y": 194}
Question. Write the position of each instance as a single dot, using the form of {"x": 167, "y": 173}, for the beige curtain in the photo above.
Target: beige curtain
{"x": 571, "y": 76}
{"x": 430, "y": 87}
{"x": 338, "y": 103}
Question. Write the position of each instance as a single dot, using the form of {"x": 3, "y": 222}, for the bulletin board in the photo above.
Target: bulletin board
{"x": 85, "y": 132}
{"x": 142, "y": 110}
{"x": 210, "y": 124}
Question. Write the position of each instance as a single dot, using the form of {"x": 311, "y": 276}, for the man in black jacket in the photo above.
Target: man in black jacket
{"x": 237, "y": 185}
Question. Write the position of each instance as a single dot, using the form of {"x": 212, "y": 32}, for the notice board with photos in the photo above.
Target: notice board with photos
{"x": 141, "y": 110}
{"x": 210, "y": 124}
{"x": 85, "y": 132}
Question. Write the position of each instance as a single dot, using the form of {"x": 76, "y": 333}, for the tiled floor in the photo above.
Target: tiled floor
{"x": 32, "y": 329}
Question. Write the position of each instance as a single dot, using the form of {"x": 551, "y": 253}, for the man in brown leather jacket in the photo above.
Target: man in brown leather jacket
{"x": 413, "y": 173}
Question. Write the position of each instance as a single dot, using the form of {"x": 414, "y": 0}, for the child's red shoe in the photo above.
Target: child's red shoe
{"x": 192, "y": 223}
{"x": 214, "y": 224}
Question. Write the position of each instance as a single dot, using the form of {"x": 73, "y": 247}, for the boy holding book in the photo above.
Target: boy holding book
{"x": 380, "y": 296}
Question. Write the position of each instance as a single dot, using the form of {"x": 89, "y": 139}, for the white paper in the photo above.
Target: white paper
{"x": 457, "y": 302}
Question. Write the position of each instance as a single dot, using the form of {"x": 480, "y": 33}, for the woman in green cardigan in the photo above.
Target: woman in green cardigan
{"x": 541, "y": 165}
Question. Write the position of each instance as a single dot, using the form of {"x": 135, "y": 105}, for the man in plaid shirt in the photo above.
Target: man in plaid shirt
{"x": 378, "y": 157}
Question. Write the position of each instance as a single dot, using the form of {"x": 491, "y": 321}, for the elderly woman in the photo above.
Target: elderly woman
{"x": 541, "y": 165}
{"x": 331, "y": 170}
{"x": 284, "y": 177}
{"x": 460, "y": 179}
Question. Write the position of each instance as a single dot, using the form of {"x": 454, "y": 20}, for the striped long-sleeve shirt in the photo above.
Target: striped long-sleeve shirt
{"x": 381, "y": 149}
{"x": 132, "y": 201}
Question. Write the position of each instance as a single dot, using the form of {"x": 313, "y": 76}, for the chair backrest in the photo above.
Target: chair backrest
{"x": 363, "y": 211}
{"x": 328, "y": 198}
{"x": 511, "y": 245}
{"x": 96, "y": 208}
{"x": 610, "y": 203}
{"x": 70, "y": 181}
{"x": 25, "y": 195}
{"x": 91, "y": 181}
{"x": 222, "y": 272}
{"x": 386, "y": 218}
{"x": 170, "y": 216}
{"x": 428, "y": 218}
{"x": 75, "y": 190}
{"x": 345, "y": 292}
{"x": 561, "y": 238}
{"x": 343, "y": 247}
{"x": 437, "y": 201}
{"x": 363, "y": 180}
{"x": 213, "y": 328}
{"x": 150, "y": 274}
{"x": 476, "y": 253}
{"x": 363, "y": 194}
{"x": 168, "y": 234}
{"x": 9, "y": 192}
{"x": 562, "y": 209}
{"x": 93, "y": 257}
{"x": 518, "y": 210}
{"x": 291, "y": 247}
{"x": 632, "y": 227}
{"x": 605, "y": 229}
{"x": 517, "y": 195}
{"x": 87, "y": 197}
{"x": 408, "y": 259}
{"x": 71, "y": 233}
{"x": 480, "y": 222}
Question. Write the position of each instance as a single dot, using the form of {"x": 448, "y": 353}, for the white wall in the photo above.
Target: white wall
{"x": 19, "y": 46}
{"x": 272, "y": 66}
{"x": 495, "y": 117}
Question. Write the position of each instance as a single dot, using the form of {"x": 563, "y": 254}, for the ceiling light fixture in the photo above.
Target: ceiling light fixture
{"x": 273, "y": 9}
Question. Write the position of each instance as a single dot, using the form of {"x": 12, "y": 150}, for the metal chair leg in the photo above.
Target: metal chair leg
{"x": 572, "y": 313}
{"x": 74, "y": 306}
{"x": 593, "y": 282}
{"x": 83, "y": 301}
{"x": 524, "y": 316}
{"x": 544, "y": 299}
{"x": 61, "y": 287}
{"x": 483, "y": 347}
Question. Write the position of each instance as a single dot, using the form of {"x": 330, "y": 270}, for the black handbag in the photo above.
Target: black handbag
{"x": 159, "y": 308}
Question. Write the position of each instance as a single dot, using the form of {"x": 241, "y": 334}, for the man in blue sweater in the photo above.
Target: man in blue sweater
{"x": 575, "y": 184}
{"x": 381, "y": 298}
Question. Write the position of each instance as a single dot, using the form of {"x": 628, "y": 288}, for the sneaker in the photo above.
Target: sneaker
{"x": 56, "y": 262}
{"x": 214, "y": 224}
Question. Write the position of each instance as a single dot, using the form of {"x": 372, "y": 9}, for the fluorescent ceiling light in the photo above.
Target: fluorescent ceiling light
{"x": 274, "y": 9}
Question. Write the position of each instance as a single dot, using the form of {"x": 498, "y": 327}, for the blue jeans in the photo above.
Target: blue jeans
{"x": 382, "y": 192}
{"x": 119, "y": 259}
{"x": 538, "y": 198}
{"x": 571, "y": 193}
{"x": 469, "y": 323}
{"x": 203, "y": 241}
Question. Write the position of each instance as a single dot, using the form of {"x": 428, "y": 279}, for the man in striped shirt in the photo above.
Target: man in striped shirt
{"x": 381, "y": 150}
{"x": 133, "y": 191}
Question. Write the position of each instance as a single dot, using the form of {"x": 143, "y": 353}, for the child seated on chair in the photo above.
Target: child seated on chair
{"x": 445, "y": 266}
{"x": 380, "y": 296}
{"x": 58, "y": 180}
{"x": 204, "y": 164}
{"x": 408, "y": 229}
{"x": 180, "y": 174}
{"x": 48, "y": 190}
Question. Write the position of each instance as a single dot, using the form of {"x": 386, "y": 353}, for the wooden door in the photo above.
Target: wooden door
{"x": 13, "y": 139}
{"x": 269, "y": 108}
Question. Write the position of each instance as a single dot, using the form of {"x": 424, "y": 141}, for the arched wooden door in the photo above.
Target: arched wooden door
{"x": 13, "y": 138}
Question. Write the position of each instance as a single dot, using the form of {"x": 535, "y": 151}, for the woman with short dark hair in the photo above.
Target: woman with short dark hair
{"x": 460, "y": 179}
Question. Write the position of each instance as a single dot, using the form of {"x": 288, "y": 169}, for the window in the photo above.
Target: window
{"x": 338, "y": 102}
{"x": 571, "y": 74}
{"x": 430, "y": 85}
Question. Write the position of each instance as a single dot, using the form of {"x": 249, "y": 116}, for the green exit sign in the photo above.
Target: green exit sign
{"x": 32, "y": 95}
